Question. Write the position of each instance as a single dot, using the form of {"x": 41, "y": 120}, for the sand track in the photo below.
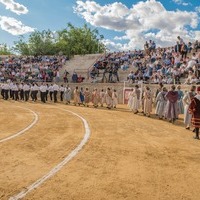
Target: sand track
{"x": 127, "y": 157}
{"x": 14, "y": 119}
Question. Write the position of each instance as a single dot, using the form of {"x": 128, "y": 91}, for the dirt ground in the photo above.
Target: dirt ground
{"x": 128, "y": 156}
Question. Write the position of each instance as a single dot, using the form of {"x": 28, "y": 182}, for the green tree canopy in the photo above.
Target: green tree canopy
{"x": 69, "y": 41}
{"x": 4, "y": 50}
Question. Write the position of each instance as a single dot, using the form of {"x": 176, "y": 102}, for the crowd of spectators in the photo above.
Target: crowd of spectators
{"x": 31, "y": 68}
{"x": 152, "y": 65}
{"x": 173, "y": 65}
{"x": 110, "y": 64}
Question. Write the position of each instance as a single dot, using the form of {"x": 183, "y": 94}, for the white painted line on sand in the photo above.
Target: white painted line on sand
{"x": 24, "y": 130}
{"x": 58, "y": 167}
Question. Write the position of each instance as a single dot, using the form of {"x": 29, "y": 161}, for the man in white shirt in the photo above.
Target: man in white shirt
{"x": 31, "y": 90}
{"x": 11, "y": 84}
{"x": 26, "y": 89}
{"x": 62, "y": 89}
{"x": 15, "y": 90}
{"x": 6, "y": 88}
{"x": 55, "y": 92}
{"x": 47, "y": 92}
{"x": 35, "y": 89}
{"x": 51, "y": 92}
{"x": 2, "y": 89}
{"x": 21, "y": 91}
{"x": 43, "y": 90}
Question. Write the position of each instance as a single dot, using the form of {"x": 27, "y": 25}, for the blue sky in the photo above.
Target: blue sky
{"x": 125, "y": 24}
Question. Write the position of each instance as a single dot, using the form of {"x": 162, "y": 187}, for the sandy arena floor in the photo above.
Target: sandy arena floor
{"x": 127, "y": 156}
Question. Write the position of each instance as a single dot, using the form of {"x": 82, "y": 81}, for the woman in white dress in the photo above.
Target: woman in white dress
{"x": 115, "y": 98}
{"x": 67, "y": 95}
{"x": 130, "y": 99}
{"x": 136, "y": 99}
{"x": 161, "y": 103}
{"x": 187, "y": 100}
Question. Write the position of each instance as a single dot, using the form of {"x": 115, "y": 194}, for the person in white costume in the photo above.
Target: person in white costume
{"x": 136, "y": 99}
{"x": 115, "y": 98}
{"x": 67, "y": 94}
{"x": 161, "y": 103}
{"x": 130, "y": 99}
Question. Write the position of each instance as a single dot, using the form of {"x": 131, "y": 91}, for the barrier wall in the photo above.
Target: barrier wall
{"x": 120, "y": 88}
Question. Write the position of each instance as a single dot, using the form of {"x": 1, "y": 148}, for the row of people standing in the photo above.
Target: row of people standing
{"x": 25, "y": 91}
{"x": 169, "y": 104}
{"x": 96, "y": 97}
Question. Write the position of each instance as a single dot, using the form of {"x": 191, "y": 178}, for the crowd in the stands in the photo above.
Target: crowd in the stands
{"x": 153, "y": 65}
{"x": 177, "y": 64}
{"x": 31, "y": 69}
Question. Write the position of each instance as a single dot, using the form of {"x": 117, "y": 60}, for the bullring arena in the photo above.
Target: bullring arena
{"x": 58, "y": 151}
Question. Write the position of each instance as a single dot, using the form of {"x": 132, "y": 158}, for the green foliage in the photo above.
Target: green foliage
{"x": 21, "y": 47}
{"x": 4, "y": 50}
{"x": 70, "y": 41}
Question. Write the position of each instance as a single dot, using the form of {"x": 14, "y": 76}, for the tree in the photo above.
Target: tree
{"x": 22, "y": 47}
{"x": 81, "y": 40}
{"x": 69, "y": 41}
{"x": 42, "y": 43}
{"x": 4, "y": 50}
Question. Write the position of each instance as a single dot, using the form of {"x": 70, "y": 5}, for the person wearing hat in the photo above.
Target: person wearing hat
{"x": 194, "y": 109}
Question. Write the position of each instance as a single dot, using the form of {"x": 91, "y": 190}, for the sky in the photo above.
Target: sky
{"x": 125, "y": 24}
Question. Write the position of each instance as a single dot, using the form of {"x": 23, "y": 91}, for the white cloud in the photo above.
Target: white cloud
{"x": 143, "y": 21}
{"x": 112, "y": 14}
{"x": 113, "y": 46}
{"x": 14, "y": 26}
{"x": 125, "y": 37}
{"x": 181, "y": 2}
{"x": 196, "y": 35}
{"x": 197, "y": 9}
{"x": 14, "y": 7}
